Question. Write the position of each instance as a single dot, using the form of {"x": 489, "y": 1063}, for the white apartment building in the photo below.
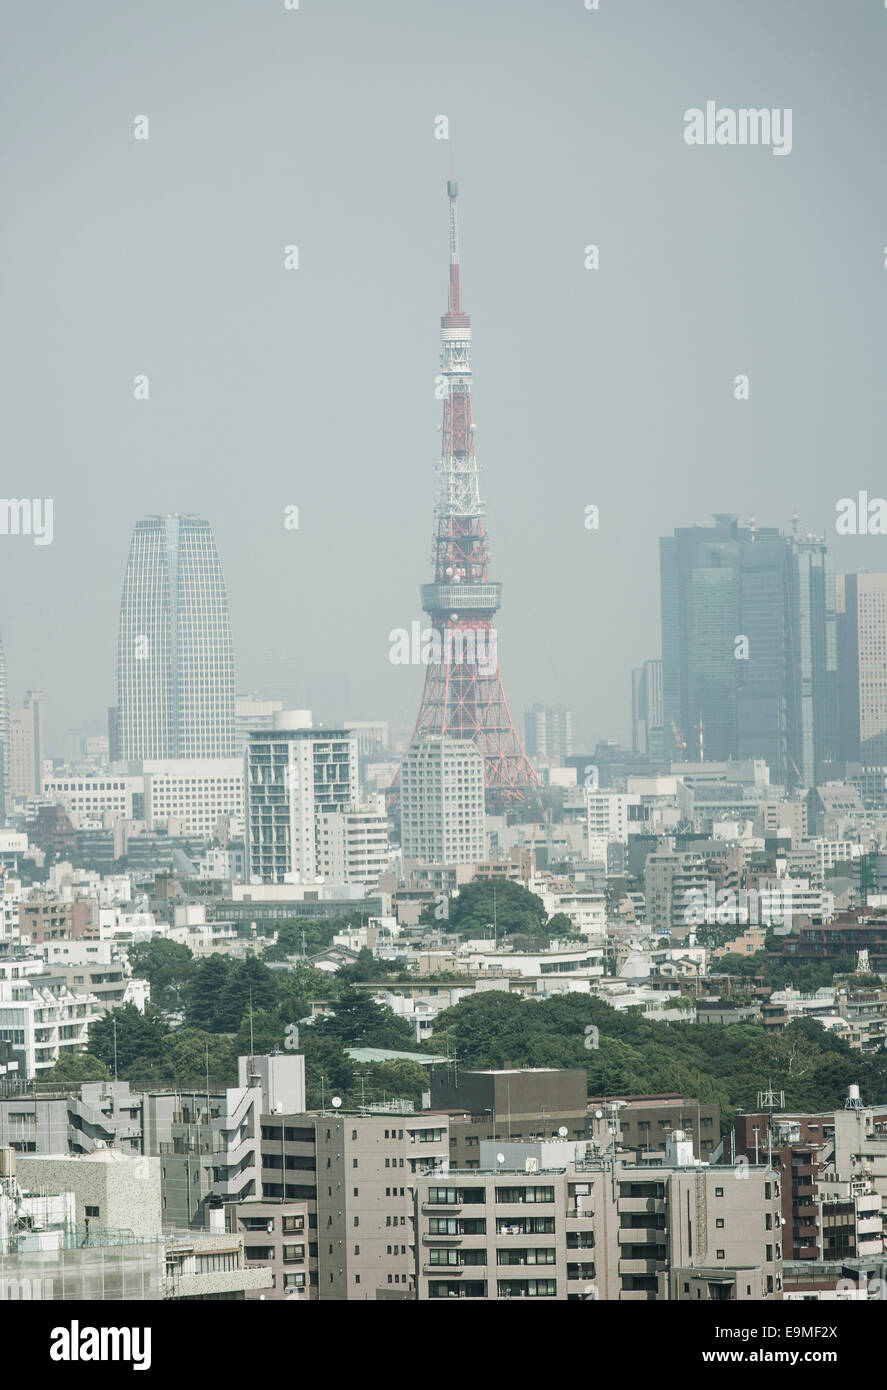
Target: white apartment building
{"x": 251, "y": 712}
{"x": 294, "y": 775}
{"x": 607, "y": 814}
{"x": 587, "y": 911}
{"x": 196, "y": 792}
{"x": 42, "y": 1025}
{"x": 442, "y": 813}
{"x": 353, "y": 844}
{"x": 93, "y": 797}
{"x": 10, "y": 897}
{"x": 371, "y": 734}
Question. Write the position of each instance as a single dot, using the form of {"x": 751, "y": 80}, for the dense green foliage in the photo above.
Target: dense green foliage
{"x": 636, "y": 1056}
{"x": 482, "y": 903}
{"x": 166, "y": 965}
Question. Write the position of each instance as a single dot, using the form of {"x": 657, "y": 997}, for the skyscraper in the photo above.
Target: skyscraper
{"x": 647, "y": 733}
{"x": 175, "y": 660}
{"x": 4, "y": 731}
{"x": 548, "y": 733}
{"x": 862, "y": 662}
{"x": 24, "y": 747}
{"x": 749, "y": 656}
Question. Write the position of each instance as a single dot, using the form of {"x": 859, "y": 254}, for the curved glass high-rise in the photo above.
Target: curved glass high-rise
{"x": 175, "y": 659}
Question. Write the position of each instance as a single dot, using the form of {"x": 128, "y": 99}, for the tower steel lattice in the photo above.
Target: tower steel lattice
{"x": 464, "y": 696}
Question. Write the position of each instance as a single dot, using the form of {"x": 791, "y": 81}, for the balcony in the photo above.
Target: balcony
{"x": 630, "y": 1205}
{"x": 641, "y": 1235}
{"x": 641, "y": 1266}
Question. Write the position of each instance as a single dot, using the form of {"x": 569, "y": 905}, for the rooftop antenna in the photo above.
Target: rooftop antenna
{"x": 768, "y": 1100}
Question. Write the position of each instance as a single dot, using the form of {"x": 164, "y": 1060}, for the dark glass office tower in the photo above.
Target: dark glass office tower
{"x": 748, "y": 647}
{"x": 699, "y": 572}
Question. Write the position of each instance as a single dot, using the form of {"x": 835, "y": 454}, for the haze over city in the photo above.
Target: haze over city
{"x": 315, "y": 388}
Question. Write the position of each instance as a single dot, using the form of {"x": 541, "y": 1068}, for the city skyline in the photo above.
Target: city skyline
{"x": 611, "y": 387}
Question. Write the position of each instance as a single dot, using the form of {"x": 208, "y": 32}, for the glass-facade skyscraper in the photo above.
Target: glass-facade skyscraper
{"x": 749, "y": 647}
{"x": 4, "y": 733}
{"x": 175, "y": 658}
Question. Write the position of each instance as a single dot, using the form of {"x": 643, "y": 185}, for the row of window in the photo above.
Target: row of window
{"x": 468, "y": 1196}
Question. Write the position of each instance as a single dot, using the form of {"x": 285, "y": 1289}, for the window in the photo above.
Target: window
{"x": 719, "y": 1254}
{"x": 293, "y": 1254}
{"x": 357, "y": 1249}
{"x": 357, "y": 1220}
{"x": 354, "y": 1133}
{"x": 525, "y": 1194}
{"x": 354, "y": 1163}
{"x": 719, "y": 1192}
{"x": 720, "y": 1223}
{"x": 92, "y": 1211}
{"x": 293, "y": 1223}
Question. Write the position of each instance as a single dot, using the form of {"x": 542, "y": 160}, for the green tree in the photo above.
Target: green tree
{"x": 139, "y": 1040}
{"x": 204, "y": 991}
{"x": 166, "y": 965}
{"x": 360, "y": 1022}
{"x": 400, "y": 1079}
{"x": 560, "y": 925}
{"x": 184, "y": 1058}
{"x": 510, "y": 906}
{"x": 73, "y": 1068}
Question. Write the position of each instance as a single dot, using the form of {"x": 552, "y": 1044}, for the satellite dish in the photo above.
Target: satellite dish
{"x": 337, "y": 1101}
{"x": 500, "y": 1158}
{"x": 598, "y": 1114}
{"x": 563, "y": 1131}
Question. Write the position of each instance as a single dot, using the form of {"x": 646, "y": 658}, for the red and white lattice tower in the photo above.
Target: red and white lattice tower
{"x": 463, "y": 696}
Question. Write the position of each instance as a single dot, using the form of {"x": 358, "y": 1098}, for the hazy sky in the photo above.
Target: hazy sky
{"x": 314, "y": 387}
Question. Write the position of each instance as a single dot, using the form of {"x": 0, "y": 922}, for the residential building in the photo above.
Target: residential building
{"x": 442, "y": 808}
{"x": 646, "y": 1123}
{"x": 549, "y": 733}
{"x": 356, "y": 1174}
{"x": 294, "y": 774}
{"x": 276, "y": 1236}
{"x": 25, "y": 748}
{"x": 529, "y": 1103}
{"x": 40, "y": 1024}
{"x": 353, "y": 844}
{"x": 252, "y": 713}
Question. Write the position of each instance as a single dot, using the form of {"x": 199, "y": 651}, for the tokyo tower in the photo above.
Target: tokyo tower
{"x": 463, "y": 696}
